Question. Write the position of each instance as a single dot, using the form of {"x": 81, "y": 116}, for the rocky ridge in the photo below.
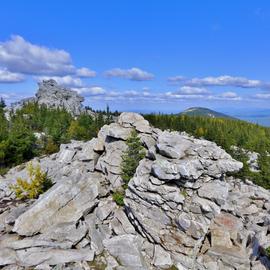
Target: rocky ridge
{"x": 181, "y": 208}
{"x": 53, "y": 95}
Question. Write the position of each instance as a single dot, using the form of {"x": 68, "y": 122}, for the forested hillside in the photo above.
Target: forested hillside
{"x": 35, "y": 130}
{"x": 226, "y": 133}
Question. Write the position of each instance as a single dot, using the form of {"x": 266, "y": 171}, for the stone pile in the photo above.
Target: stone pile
{"x": 181, "y": 209}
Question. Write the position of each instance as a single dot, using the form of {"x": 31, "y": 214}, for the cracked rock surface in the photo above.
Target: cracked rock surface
{"x": 53, "y": 95}
{"x": 181, "y": 209}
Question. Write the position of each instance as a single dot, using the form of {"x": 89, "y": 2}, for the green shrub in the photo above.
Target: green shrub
{"x": 267, "y": 251}
{"x": 38, "y": 183}
{"x": 132, "y": 157}
{"x": 118, "y": 197}
{"x": 173, "y": 267}
{"x": 50, "y": 147}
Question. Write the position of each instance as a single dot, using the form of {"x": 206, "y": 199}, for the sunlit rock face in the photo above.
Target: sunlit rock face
{"x": 55, "y": 96}
{"x": 52, "y": 95}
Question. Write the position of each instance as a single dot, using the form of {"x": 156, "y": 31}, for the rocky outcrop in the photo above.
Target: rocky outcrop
{"x": 53, "y": 95}
{"x": 181, "y": 209}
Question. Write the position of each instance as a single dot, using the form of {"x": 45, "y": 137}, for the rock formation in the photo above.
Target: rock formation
{"x": 181, "y": 209}
{"x": 53, "y": 95}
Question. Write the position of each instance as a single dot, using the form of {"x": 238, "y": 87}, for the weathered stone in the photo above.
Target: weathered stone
{"x": 14, "y": 214}
{"x": 216, "y": 191}
{"x": 118, "y": 132}
{"x": 128, "y": 119}
{"x": 165, "y": 170}
{"x": 36, "y": 256}
{"x": 172, "y": 145}
{"x": 65, "y": 202}
{"x": 7, "y": 256}
{"x": 121, "y": 224}
{"x": 162, "y": 259}
{"x": 66, "y": 155}
{"x": 126, "y": 249}
{"x": 105, "y": 209}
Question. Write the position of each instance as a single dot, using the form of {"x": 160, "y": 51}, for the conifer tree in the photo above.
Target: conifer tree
{"x": 131, "y": 158}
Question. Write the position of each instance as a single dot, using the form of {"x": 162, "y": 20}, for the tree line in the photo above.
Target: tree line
{"x": 36, "y": 130}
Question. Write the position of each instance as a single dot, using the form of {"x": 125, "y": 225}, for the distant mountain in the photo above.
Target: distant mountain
{"x": 200, "y": 111}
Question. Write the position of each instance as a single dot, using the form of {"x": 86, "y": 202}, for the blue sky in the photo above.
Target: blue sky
{"x": 140, "y": 55}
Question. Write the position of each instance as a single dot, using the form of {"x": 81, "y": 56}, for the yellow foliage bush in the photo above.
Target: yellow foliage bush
{"x": 38, "y": 183}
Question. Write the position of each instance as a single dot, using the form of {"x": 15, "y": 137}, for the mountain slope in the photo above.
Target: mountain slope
{"x": 200, "y": 111}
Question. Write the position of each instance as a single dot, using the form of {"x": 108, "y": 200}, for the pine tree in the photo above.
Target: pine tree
{"x": 2, "y": 103}
{"x": 132, "y": 157}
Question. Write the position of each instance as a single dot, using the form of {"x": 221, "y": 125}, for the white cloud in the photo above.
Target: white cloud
{"x": 11, "y": 97}
{"x": 263, "y": 96}
{"x": 21, "y": 56}
{"x": 175, "y": 95}
{"x": 9, "y": 77}
{"x": 68, "y": 80}
{"x": 91, "y": 91}
{"x": 226, "y": 96}
{"x": 134, "y": 74}
{"x": 86, "y": 73}
{"x": 176, "y": 79}
{"x": 189, "y": 90}
{"x": 226, "y": 81}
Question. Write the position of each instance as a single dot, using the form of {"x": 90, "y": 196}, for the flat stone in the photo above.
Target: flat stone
{"x": 36, "y": 256}
{"x": 172, "y": 145}
{"x": 165, "y": 170}
{"x": 66, "y": 156}
{"x": 65, "y": 202}
{"x": 216, "y": 191}
{"x": 118, "y": 132}
{"x": 7, "y": 256}
{"x": 126, "y": 249}
{"x": 162, "y": 259}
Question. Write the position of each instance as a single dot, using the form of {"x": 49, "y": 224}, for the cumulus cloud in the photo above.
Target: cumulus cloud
{"x": 91, "y": 91}
{"x": 10, "y": 97}
{"x": 263, "y": 96}
{"x": 184, "y": 93}
{"x": 225, "y": 80}
{"x": 176, "y": 95}
{"x": 67, "y": 80}
{"x": 134, "y": 74}
{"x": 85, "y": 73}
{"x": 190, "y": 90}
{"x": 176, "y": 79}
{"x": 9, "y": 77}
{"x": 226, "y": 96}
{"x": 21, "y": 56}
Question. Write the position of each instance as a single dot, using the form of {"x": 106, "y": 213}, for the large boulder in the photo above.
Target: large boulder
{"x": 65, "y": 202}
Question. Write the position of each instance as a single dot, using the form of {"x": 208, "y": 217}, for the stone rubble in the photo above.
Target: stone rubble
{"x": 181, "y": 209}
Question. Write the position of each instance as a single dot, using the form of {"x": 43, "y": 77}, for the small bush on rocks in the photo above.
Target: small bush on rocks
{"x": 38, "y": 184}
{"x": 267, "y": 251}
{"x": 118, "y": 197}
